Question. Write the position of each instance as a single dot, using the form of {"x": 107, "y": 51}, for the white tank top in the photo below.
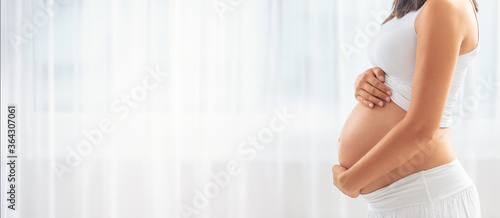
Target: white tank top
{"x": 393, "y": 49}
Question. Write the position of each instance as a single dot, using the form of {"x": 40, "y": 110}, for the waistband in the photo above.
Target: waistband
{"x": 423, "y": 187}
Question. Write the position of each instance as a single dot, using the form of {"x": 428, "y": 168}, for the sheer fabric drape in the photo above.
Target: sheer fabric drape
{"x": 220, "y": 108}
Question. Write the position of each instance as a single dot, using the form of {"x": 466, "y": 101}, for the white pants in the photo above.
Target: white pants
{"x": 443, "y": 191}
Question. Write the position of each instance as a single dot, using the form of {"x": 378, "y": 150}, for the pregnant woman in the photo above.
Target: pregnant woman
{"x": 395, "y": 148}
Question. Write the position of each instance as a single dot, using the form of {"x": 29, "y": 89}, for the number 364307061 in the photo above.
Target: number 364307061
{"x": 11, "y": 129}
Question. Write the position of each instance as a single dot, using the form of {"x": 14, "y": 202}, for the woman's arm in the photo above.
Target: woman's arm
{"x": 440, "y": 35}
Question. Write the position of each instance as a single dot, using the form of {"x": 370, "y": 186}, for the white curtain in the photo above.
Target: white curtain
{"x": 206, "y": 108}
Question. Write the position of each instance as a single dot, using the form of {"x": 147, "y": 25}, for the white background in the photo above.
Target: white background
{"x": 66, "y": 63}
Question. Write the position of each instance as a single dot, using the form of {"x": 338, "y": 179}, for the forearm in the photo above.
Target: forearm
{"x": 401, "y": 143}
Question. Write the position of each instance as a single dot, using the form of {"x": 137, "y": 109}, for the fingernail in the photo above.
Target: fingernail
{"x": 371, "y": 105}
{"x": 388, "y": 99}
{"x": 381, "y": 104}
{"x": 389, "y": 92}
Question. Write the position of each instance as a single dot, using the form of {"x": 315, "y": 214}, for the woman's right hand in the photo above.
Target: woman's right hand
{"x": 370, "y": 88}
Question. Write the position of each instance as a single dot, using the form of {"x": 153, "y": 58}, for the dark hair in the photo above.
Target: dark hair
{"x": 402, "y": 7}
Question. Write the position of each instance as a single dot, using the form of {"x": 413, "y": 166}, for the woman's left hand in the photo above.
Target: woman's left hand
{"x": 338, "y": 173}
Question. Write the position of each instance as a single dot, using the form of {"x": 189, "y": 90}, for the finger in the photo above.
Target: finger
{"x": 370, "y": 100}
{"x": 372, "y": 94}
{"x": 379, "y": 73}
{"x": 367, "y": 103}
{"x": 334, "y": 169}
{"x": 381, "y": 90}
{"x": 374, "y": 81}
{"x": 338, "y": 169}
{"x": 334, "y": 175}
{"x": 364, "y": 101}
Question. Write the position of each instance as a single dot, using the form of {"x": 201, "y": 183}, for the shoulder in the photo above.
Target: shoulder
{"x": 440, "y": 14}
{"x": 442, "y": 4}
{"x": 441, "y": 9}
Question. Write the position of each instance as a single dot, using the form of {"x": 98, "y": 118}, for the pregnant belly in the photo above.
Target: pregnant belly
{"x": 365, "y": 127}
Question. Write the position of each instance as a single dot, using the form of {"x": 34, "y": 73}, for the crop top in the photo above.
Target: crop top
{"x": 393, "y": 49}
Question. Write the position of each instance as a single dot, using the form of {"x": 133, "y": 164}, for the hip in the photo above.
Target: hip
{"x": 436, "y": 153}
{"x": 428, "y": 192}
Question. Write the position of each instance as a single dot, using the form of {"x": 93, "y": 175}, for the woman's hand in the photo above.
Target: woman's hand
{"x": 370, "y": 89}
{"x": 338, "y": 173}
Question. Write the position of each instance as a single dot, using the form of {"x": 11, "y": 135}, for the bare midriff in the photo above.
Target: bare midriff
{"x": 365, "y": 127}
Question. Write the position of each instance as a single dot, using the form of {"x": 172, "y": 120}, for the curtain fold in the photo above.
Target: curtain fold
{"x": 194, "y": 108}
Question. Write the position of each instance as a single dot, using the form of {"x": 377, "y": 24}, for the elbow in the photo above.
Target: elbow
{"x": 421, "y": 132}
{"x": 424, "y": 135}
